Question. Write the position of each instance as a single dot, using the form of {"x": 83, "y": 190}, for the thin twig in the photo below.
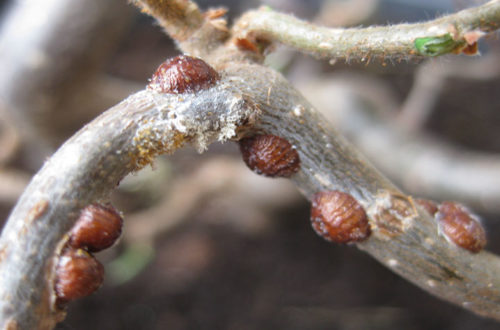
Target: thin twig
{"x": 396, "y": 41}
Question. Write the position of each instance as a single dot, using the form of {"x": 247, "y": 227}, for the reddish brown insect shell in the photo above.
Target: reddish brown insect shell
{"x": 183, "y": 74}
{"x": 460, "y": 226}
{"x": 270, "y": 155}
{"x": 97, "y": 228}
{"x": 339, "y": 218}
{"x": 78, "y": 274}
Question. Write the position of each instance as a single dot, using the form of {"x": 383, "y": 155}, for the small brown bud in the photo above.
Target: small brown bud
{"x": 427, "y": 205}
{"x": 97, "y": 228}
{"x": 183, "y": 74}
{"x": 460, "y": 226}
{"x": 78, "y": 274}
{"x": 338, "y": 217}
{"x": 270, "y": 155}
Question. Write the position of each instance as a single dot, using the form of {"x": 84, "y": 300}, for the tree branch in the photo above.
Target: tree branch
{"x": 248, "y": 99}
{"x": 407, "y": 240}
{"x": 85, "y": 169}
{"x": 396, "y": 41}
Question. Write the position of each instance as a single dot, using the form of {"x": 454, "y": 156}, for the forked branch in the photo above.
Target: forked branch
{"x": 248, "y": 99}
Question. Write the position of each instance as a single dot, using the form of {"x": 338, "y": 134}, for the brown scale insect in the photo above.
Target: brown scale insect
{"x": 183, "y": 74}
{"x": 97, "y": 228}
{"x": 78, "y": 274}
{"x": 270, "y": 155}
{"x": 338, "y": 217}
{"x": 460, "y": 227}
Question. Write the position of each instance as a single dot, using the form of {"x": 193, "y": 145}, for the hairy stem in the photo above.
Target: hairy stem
{"x": 396, "y": 41}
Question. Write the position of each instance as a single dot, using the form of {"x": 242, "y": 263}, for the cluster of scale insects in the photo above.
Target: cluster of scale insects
{"x": 78, "y": 273}
{"x": 335, "y": 215}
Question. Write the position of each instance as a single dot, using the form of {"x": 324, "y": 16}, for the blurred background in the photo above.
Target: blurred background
{"x": 207, "y": 243}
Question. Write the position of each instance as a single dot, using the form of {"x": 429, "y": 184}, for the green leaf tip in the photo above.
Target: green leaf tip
{"x": 435, "y": 46}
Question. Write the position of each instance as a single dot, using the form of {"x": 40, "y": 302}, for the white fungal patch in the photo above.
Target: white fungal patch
{"x": 392, "y": 262}
{"x": 195, "y": 118}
